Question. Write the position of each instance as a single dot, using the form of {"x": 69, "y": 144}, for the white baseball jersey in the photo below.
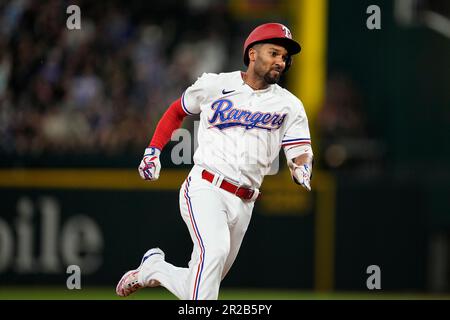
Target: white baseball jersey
{"x": 242, "y": 130}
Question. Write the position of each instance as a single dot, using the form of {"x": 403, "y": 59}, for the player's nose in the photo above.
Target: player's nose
{"x": 280, "y": 64}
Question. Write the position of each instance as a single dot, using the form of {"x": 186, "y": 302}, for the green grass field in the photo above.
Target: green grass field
{"x": 108, "y": 293}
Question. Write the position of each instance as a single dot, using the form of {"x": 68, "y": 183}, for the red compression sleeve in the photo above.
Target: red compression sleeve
{"x": 170, "y": 121}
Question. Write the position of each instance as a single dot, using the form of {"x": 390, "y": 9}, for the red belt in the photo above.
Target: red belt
{"x": 241, "y": 192}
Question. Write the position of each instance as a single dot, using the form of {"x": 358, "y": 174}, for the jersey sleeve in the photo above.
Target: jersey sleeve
{"x": 297, "y": 139}
{"x": 194, "y": 95}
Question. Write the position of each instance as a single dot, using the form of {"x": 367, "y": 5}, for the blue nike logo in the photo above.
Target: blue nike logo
{"x": 227, "y": 92}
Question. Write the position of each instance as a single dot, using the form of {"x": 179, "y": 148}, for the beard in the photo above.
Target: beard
{"x": 272, "y": 78}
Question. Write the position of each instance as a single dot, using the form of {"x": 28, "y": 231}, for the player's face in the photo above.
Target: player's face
{"x": 270, "y": 62}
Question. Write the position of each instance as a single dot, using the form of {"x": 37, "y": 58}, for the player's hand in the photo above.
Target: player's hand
{"x": 150, "y": 165}
{"x": 301, "y": 174}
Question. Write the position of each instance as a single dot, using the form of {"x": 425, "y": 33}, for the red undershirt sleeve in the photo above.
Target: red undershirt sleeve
{"x": 170, "y": 121}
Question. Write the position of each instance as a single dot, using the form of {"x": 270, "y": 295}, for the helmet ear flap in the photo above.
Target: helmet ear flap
{"x": 287, "y": 63}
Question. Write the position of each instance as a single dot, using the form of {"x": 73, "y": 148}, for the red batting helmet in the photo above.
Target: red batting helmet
{"x": 271, "y": 33}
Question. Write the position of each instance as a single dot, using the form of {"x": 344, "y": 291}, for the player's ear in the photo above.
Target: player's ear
{"x": 252, "y": 54}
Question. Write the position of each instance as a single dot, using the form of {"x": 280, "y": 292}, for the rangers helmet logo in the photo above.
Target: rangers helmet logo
{"x": 287, "y": 32}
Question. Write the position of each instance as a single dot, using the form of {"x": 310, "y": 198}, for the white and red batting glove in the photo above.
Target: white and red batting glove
{"x": 301, "y": 174}
{"x": 150, "y": 165}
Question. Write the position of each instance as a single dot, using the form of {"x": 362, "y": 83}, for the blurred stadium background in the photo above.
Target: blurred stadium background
{"x": 77, "y": 107}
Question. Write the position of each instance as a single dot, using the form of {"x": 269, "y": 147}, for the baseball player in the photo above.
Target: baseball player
{"x": 245, "y": 119}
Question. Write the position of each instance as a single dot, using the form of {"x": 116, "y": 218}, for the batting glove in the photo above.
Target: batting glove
{"x": 150, "y": 165}
{"x": 301, "y": 174}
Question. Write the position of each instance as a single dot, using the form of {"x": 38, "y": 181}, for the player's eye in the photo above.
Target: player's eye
{"x": 274, "y": 54}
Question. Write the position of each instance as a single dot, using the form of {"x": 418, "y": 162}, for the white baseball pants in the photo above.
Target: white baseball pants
{"x": 217, "y": 221}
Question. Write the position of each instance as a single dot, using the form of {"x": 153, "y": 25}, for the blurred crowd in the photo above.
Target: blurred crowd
{"x": 346, "y": 138}
{"x": 101, "y": 88}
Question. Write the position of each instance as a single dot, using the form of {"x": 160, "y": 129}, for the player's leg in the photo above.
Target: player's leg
{"x": 182, "y": 282}
{"x": 207, "y": 222}
{"x": 171, "y": 277}
{"x": 204, "y": 213}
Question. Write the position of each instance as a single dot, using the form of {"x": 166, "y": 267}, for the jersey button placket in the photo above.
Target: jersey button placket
{"x": 244, "y": 151}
